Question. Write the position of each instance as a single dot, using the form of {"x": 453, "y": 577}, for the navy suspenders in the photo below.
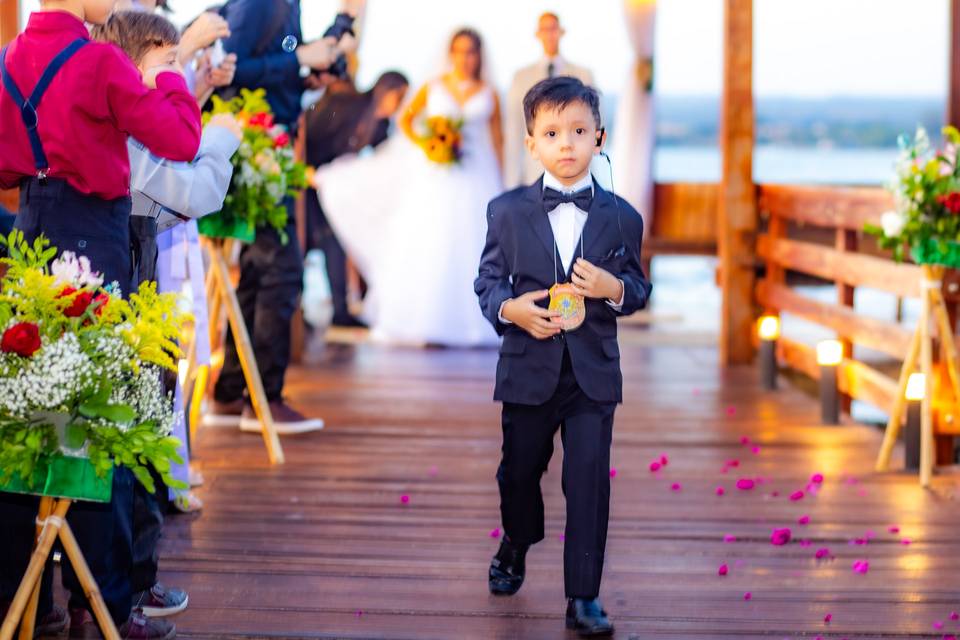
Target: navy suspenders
{"x": 28, "y": 106}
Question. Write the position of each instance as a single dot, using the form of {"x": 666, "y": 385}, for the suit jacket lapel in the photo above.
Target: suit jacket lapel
{"x": 538, "y": 217}
{"x": 597, "y": 218}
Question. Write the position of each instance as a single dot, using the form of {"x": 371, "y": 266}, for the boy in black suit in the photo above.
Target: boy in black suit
{"x": 567, "y": 239}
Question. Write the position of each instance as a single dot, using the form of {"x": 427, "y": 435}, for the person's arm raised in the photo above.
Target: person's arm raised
{"x": 413, "y": 110}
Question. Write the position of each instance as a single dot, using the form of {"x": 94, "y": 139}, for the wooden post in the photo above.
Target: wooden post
{"x": 953, "y": 96}
{"x": 737, "y": 198}
{"x": 9, "y": 27}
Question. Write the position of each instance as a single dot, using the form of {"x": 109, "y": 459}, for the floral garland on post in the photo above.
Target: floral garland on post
{"x": 80, "y": 367}
{"x": 264, "y": 172}
{"x": 926, "y": 215}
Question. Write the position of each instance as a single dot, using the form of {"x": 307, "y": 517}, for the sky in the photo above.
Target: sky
{"x": 808, "y": 48}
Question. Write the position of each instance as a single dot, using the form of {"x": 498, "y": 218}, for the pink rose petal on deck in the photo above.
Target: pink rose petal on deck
{"x": 755, "y": 449}
{"x": 955, "y": 616}
{"x": 861, "y": 566}
{"x": 745, "y": 484}
{"x": 729, "y": 538}
{"x": 748, "y": 596}
{"x": 938, "y": 625}
{"x": 906, "y": 541}
{"x": 806, "y": 543}
{"x": 732, "y": 463}
{"x": 676, "y": 486}
{"x": 664, "y": 460}
{"x": 723, "y": 570}
{"x": 405, "y": 499}
{"x": 817, "y": 478}
{"x": 804, "y": 520}
{"x": 731, "y": 411}
{"x": 780, "y": 537}
{"x": 822, "y": 553}
{"x": 654, "y": 467}
{"x": 827, "y": 619}
{"x": 894, "y": 529}
{"x": 720, "y": 491}
{"x": 358, "y": 613}
{"x": 796, "y": 495}
{"x": 613, "y": 473}
{"x": 495, "y": 533}
{"x": 561, "y": 537}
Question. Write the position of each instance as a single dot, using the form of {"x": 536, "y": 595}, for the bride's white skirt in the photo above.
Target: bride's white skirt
{"x": 415, "y": 230}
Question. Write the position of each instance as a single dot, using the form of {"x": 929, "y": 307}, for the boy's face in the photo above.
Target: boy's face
{"x": 564, "y": 141}
{"x": 165, "y": 55}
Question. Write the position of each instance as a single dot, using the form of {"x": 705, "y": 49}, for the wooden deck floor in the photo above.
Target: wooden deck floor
{"x": 324, "y": 548}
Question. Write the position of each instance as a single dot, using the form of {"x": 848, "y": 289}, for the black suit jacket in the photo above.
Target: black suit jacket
{"x": 519, "y": 258}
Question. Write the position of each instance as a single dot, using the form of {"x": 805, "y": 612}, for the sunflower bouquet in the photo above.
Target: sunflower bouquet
{"x": 80, "y": 385}
{"x": 264, "y": 171}
{"x": 442, "y": 140}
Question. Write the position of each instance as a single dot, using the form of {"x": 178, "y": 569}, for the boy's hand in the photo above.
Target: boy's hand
{"x": 150, "y": 75}
{"x": 222, "y": 76}
{"x": 228, "y": 122}
{"x": 593, "y": 282}
{"x": 524, "y": 312}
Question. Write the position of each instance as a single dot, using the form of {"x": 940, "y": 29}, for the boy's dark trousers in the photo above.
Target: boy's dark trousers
{"x": 586, "y": 429}
{"x": 98, "y": 229}
{"x": 271, "y": 276}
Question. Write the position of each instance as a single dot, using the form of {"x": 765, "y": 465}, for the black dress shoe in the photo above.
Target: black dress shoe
{"x": 348, "y": 322}
{"x": 507, "y": 568}
{"x": 588, "y": 618}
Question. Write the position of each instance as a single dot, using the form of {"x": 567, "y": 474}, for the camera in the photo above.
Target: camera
{"x": 342, "y": 24}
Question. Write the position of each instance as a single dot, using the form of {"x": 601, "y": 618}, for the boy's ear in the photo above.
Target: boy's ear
{"x": 601, "y": 140}
{"x": 532, "y": 147}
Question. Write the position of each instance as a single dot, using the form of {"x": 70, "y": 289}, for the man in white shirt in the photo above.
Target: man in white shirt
{"x": 519, "y": 168}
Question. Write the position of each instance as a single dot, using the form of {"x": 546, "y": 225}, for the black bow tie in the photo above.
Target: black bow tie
{"x": 553, "y": 199}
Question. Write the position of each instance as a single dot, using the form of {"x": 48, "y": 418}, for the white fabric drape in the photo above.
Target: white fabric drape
{"x": 634, "y": 136}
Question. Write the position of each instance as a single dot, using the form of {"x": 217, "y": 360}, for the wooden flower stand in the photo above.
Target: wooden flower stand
{"x": 61, "y": 475}
{"x": 920, "y": 352}
{"x": 220, "y": 295}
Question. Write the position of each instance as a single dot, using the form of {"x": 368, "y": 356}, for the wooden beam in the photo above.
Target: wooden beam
{"x": 854, "y": 269}
{"x": 953, "y": 95}
{"x": 9, "y": 20}
{"x": 737, "y": 198}
{"x": 868, "y": 332}
{"x": 685, "y": 212}
{"x": 837, "y": 207}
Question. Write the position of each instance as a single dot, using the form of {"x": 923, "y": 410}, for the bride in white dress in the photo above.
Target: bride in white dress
{"x": 416, "y": 228}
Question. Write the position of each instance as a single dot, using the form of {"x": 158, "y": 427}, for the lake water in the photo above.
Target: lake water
{"x": 804, "y": 165}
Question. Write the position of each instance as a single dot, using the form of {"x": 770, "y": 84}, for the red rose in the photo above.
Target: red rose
{"x": 951, "y": 201}
{"x": 80, "y": 302}
{"x": 101, "y": 300}
{"x": 22, "y": 338}
{"x": 282, "y": 140}
{"x": 264, "y": 120}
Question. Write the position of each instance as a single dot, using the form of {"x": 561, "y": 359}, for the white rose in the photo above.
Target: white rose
{"x": 893, "y": 223}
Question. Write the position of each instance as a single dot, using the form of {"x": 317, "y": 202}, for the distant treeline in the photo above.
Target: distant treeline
{"x": 839, "y": 122}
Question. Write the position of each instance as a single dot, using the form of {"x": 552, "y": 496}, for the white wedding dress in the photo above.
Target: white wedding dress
{"x": 416, "y": 229}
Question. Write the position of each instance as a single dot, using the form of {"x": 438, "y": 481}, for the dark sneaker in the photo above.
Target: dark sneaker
{"x": 288, "y": 421}
{"x": 52, "y": 624}
{"x": 137, "y": 627}
{"x": 224, "y": 414}
{"x": 160, "y": 601}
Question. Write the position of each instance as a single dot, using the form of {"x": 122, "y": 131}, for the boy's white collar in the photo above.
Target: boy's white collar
{"x": 549, "y": 180}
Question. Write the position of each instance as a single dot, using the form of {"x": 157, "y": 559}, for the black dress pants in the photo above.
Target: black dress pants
{"x": 271, "y": 277}
{"x": 586, "y": 429}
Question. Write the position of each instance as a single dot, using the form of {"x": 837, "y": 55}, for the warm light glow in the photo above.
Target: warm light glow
{"x": 768, "y": 327}
{"x": 829, "y": 353}
{"x": 916, "y": 386}
{"x": 183, "y": 368}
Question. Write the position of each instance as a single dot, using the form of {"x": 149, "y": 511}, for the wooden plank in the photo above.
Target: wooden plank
{"x": 858, "y": 380}
{"x": 868, "y": 332}
{"x": 685, "y": 212}
{"x": 737, "y": 198}
{"x": 847, "y": 268}
{"x": 840, "y": 207}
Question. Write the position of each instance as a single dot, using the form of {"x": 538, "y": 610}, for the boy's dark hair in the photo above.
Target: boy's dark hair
{"x": 556, "y": 93}
{"x": 136, "y": 32}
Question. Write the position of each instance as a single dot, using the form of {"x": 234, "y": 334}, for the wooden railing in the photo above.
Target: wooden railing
{"x": 842, "y": 211}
